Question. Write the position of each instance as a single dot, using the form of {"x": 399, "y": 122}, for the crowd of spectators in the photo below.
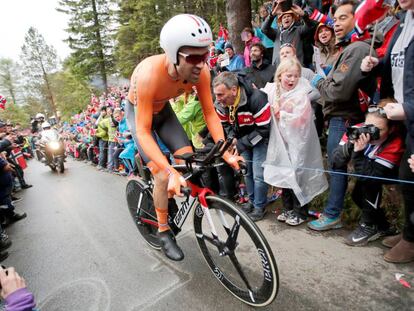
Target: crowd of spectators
{"x": 308, "y": 81}
{"x": 302, "y": 84}
{"x": 14, "y": 148}
{"x": 313, "y": 77}
{"x": 13, "y": 145}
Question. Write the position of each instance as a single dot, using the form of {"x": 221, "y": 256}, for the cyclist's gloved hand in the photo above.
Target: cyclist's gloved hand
{"x": 233, "y": 160}
{"x": 175, "y": 181}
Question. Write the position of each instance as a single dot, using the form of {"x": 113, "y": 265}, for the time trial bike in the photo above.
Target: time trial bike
{"x": 232, "y": 245}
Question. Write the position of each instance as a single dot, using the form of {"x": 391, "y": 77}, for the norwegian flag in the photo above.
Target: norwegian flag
{"x": 364, "y": 100}
{"x": 223, "y": 33}
{"x": 18, "y": 157}
{"x": 368, "y": 12}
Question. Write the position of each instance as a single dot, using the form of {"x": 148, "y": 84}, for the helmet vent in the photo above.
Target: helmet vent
{"x": 200, "y": 31}
{"x": 193, "y": 34}
{"x": 205, "y": 30}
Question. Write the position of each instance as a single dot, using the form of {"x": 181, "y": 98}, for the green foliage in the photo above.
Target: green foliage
{"x": 90, "y": 37}
{"x": 15, "y": 114}
{"x": 39, "y": 60}
{"x": 9, "y": 77}
{"x": 72, "y": 95}
{"x": 141, "y": 23}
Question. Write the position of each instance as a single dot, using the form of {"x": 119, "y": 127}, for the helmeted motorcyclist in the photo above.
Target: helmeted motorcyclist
{"x": 37, "y": 122}
{"x": 46, "y": 135}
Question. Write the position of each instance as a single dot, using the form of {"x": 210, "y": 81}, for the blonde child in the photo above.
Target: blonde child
{"x": 294, "y": 159}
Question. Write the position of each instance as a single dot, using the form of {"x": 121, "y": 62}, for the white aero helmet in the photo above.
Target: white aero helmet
{"x": 45, "y": 125}
{"x": 39, "y": 116}
{"x": 184, "y": 30}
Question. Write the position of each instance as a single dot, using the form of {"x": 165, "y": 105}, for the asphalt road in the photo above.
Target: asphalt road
{"x": 79, "y": 250}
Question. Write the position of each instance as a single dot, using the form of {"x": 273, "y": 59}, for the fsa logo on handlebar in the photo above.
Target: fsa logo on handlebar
{"x": 265, "y": 264}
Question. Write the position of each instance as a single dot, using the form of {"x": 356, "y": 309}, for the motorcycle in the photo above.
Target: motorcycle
{"x": 51, "y": 151}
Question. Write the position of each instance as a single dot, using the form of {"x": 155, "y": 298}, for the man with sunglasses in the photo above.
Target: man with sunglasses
{"x": 185, "y": 39}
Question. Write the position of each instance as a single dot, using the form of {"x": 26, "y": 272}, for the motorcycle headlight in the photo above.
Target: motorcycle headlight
{"x": 54, "y": 145}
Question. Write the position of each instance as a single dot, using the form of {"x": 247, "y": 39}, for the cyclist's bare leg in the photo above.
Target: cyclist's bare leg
{"x": 181, "y": 151}
{"x": 160, "y": 196}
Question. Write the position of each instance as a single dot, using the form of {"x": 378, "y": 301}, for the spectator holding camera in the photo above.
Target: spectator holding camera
{"x": 290, "y": 29}
{"x": 230, "y": 61}
{"x": 397, "y": 71}
{"x": 375, "y": 149}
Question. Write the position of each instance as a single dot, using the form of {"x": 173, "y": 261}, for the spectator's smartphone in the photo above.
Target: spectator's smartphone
{"x": 285, "y": 5}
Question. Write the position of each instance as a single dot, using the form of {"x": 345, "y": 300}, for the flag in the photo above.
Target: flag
{"x": 3, "y": 102}
{"x": 18, "y": 157}
{"x": 368, "y": 12}
{"x": 223, "y": 33}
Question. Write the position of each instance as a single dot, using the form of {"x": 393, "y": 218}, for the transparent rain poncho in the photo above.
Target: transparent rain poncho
{"x": 294, "y": 158}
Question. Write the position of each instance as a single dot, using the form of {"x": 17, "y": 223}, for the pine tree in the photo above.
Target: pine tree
{"x": 39, "y": 61}
{"x": 90, "y": 37}
{"x": 9, "y": 78}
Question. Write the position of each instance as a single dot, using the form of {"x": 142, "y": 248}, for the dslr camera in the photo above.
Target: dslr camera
{"x": 353, "y": 132}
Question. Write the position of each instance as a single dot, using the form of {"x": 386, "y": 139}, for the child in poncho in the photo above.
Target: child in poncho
{"x": 294, "y": 159}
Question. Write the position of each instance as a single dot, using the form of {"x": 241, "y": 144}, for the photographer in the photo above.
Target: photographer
{"x": 294, "y": 26}
{"x": 375, "y": 149}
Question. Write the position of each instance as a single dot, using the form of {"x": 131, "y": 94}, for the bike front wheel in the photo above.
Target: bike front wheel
{"x": 236, "y": 252}
{"x": 141, "y": 208}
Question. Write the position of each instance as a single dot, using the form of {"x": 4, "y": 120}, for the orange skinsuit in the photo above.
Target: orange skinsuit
{"x": 151, "y": 88}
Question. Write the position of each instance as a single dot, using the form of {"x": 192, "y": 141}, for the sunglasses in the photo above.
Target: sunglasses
{"x": 381, "y": 111}
{"x": 194, "y": 59}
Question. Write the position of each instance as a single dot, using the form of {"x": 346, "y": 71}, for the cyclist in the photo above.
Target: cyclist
{"x": 185, "y": 40}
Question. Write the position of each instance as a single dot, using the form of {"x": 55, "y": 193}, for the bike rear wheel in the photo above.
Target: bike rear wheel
{"x": 141, "y": 208}
{"x": 237, "y": 253}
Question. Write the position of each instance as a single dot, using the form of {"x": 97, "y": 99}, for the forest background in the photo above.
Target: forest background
{"x": 107, "y": 38}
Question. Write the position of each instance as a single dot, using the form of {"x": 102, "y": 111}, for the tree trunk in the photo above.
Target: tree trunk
{"x": 49, "y": 92}
{"x": 239, "y": 15}
{"x": 100, "y": 47}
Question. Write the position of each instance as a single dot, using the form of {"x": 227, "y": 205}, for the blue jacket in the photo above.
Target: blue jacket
{"x": 408, "y": 82}
{"x": 236, "y": 63}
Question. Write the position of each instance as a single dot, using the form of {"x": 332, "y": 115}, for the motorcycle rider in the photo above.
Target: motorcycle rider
{"x": 48, "y": 134}
{"x": 37, "y": 122}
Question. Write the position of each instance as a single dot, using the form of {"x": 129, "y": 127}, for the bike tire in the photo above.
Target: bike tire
{"x": 61, "y": 166}
{"x": 256, "y": 254}
{"x": 141, "y": 208}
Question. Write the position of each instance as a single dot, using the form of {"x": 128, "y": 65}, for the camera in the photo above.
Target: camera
{"x": 353, "y": 132}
